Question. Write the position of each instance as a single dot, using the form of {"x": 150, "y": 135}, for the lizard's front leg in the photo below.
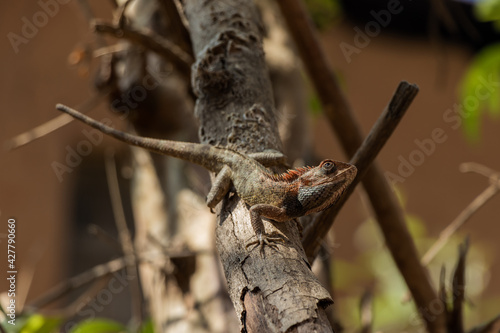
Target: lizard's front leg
{"x": 256, "y": 214}
{"x": 222, "y": 181}
{"x": 220, "y": 187}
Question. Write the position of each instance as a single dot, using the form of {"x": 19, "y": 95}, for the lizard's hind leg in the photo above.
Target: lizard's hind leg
{"x": 220, "y": 187}
{"x": 256, "y": 213}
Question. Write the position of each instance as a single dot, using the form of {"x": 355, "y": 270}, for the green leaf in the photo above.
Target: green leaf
{"x": 40, "y": 324}
{"x": 416, "y": 226}
{"x": 147, "y": 327}
{"x": 324, "y": 12}
{"x": 315, "y": 105}
{"x": 479, "y": 90}
{"x": 98, "y": 326}
{"x": 487, "y": 10}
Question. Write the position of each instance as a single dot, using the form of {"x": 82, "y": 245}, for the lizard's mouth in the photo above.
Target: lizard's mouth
{"x": 351, "y": 170}
{"x": 344, "y": 181}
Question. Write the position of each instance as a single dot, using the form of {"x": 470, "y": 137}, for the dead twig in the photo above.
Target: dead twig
{"x": 53, "y": 124}
{"x": 155, "y": 259}
{"x": 453, "y": 303}
{"x": 83, "y": 300}
{"x": 77, "y": 281}
{"x": 466, "y": 214}
{"x": 366, "y": 154}
{"x": 455, "y": 319}
{"x": 491, "y": 327}
{"x": 443, "y": 294}
{"x": 366, "y": 311}
{"x": 104, "y": 236}
{"x": 178, "y": 25}
{"x": 125, "y": 237}
{"x": 120, "y": 18}
{"x": 151, "y": 41}
{"x": 89, "y": 16}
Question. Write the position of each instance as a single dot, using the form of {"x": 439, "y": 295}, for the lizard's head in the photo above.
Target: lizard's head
{"x": 322, "y": 186}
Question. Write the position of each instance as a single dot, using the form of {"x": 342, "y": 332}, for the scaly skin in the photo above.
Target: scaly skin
{"x": 277, "y": 197}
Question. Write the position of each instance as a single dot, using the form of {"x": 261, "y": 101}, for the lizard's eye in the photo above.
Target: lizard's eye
{"x": 328, "y": 166}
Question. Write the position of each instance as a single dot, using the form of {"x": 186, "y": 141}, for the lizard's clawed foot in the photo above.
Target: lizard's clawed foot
{"x": 263, "y": 240}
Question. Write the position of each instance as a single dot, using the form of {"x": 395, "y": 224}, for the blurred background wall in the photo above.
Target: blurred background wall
{"x": 52, "y": 211}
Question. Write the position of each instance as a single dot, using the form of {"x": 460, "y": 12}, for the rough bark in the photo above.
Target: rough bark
{"x": 235, "y": 109}
{"x": 180, "y": 276}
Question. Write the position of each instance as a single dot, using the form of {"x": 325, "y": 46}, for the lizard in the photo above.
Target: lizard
{"x": 278, "y": 197}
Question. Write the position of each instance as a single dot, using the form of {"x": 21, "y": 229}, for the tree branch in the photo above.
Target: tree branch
{"x": 235, "y": 108}
{"x": 384, "y": 127}
{"x": 389, "y": 215}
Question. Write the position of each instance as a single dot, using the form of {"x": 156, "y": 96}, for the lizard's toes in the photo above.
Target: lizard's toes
{"x": 265, "y": 240}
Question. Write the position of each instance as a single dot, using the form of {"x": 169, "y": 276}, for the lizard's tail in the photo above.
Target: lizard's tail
{"x": 192, "y": 152}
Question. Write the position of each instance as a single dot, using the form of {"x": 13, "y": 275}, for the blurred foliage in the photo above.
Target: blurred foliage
{"x": 488, "y": 11}
{"x": 315, "y": 105}
{"x": 40, "y": 324}
{"x": 98, "y": 326}
{"x": 479, "y": 89}
{"x": 147, "y": 327}
{"x": 37, "y": 323}
{"x": 324, "y": 12}
{"x": 374, "y": 270}
{"x": 33, "y": 323}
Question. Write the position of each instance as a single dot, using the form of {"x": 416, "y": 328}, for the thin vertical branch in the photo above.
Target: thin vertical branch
{"x": 89, "y": 16}
{"x": 456, "y": 320}
{"x": 125, "y": 237}
{"x": 177, "y": 24}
